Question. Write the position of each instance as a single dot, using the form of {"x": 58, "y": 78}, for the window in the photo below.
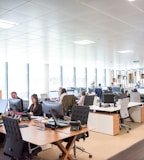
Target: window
{"x": 80, "y": 77}
{"x": 18, "y": 79}
{"x": 101, "y": 76}
{"x": 54, "y": 77}
{"x": 91, "y": 76}
{"x": 68, "y": 76}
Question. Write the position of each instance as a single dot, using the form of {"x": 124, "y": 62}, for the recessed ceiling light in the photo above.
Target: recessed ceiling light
{"x": 131, "y": 0}
{"x": 6, "y": 24}
{"x": 84, "y": 42}
{"x": 126, "y": 51}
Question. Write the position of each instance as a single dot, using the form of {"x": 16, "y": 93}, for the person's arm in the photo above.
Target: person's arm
{"x": 81, "y": 101}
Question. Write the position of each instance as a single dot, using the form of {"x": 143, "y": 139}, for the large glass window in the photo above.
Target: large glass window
{"x": 18, "y": 79}
{"x": 101, "y": 76}
{"x": 91, "y": 77}
{"x": 3, "y": 79}
{"x": 68, "y": 76}
{"x": 80, "y": 77}
{"x": 54, "y": 77}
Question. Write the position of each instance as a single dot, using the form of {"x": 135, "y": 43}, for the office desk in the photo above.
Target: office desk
{"x": 33, "y": 134}
{"x": 106, "y": 119}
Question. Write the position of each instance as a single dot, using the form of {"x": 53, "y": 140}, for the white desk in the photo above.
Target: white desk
{"x": 114, "y": 109}
{"x": 106, "y": 120}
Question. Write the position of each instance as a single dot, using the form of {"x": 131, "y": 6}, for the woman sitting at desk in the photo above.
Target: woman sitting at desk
{"x": 36, "y": 107}
{"x": 80, "y": 102}
{"x": 63, "y": 93}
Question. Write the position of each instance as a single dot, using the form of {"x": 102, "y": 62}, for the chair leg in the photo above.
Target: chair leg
{"x": 81, "y": 149}
{"x": 127, "y": 127}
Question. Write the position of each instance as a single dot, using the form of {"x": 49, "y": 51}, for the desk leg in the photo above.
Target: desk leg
{"x": 66, "y": 150}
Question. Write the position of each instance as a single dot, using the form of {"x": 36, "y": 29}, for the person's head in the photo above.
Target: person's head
{"x": 14, "y": 95}
{"x": 99, "y": 85}
{"x": 34, "y": 99}
{"x": 120, "y": 85}
{"x": 63, "y": 91}
{"x": 60, "y": 90}
{"x": 83, "y": 93}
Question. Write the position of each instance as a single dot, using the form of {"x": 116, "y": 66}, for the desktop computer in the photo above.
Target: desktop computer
{"x": 15, "y": 104}
{"x": 57, "y": 107}
{"x": 108, "y": 98}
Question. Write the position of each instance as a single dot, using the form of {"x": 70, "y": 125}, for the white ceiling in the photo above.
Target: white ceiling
{"x": 47, "y": 29}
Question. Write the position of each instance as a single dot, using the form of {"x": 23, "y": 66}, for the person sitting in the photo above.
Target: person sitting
{"x": 15, "y": 96}
{"x": 63, "y": 93}
{"x": 36, "y": 107}
{"x": 80, "y": 102}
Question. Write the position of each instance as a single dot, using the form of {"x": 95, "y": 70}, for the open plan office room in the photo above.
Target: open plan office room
{"x": 71, "y": 79}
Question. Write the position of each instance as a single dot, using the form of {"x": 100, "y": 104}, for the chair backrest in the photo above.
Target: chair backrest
{"x": 13, "y": 146}
{"x": 135, "y": 97}
{"x": 25, "y": 104}
{"x": 68, "y": 101}
{"x": 124, "y": 108}
{"x": 43, "y": 96}
{"x": 89, "y": 100}
{"x": 80, "y": 113}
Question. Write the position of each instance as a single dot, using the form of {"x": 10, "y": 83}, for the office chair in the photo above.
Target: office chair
{"x": 135, "y": 97}
{"x": 25, "y": 105}
{"x": 68, "y": 102}
{"x": 14, "y": 146}
{"x": 124, "y": 114}
{"x": 89, "y": 100}
{"x": 80, "y": 113}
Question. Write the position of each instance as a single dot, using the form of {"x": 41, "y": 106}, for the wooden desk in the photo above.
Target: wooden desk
{"x": 33, "y": 134}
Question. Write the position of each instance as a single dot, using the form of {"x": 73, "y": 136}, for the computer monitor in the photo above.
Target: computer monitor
{"x": 15, "y": 104}
{"x": 57, "y": 107}
{"x": 53, "y": 94}
{"x": 3, "y": 105}
{"x": 108, "y": 98}
{"x": 116, "y": 89}
{"x": 70, "y": 92}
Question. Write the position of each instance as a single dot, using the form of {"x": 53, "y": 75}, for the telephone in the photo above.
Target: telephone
{"x": 75, "y": 125}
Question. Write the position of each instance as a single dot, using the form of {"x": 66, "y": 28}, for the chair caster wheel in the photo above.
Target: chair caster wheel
{"x": 127, "y": 131}
{"x": 90, "y": 156}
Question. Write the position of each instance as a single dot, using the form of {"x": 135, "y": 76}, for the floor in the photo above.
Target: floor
{"x": 102, "y": 146}
{"x": 99, "y": 145}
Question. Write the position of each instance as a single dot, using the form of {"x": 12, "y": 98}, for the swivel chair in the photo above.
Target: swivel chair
{"x": 89, "y": 100}
{"x": 25, "y": 105}
{"x": 124, "y": 114}
{"x": 14, "y": 146}
{"x": 80, "y": 113}
{"x": 135, "y": 97}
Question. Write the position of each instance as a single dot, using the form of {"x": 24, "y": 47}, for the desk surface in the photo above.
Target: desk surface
{"x": 114, "y": 109}
{"x": 34, "y": 135}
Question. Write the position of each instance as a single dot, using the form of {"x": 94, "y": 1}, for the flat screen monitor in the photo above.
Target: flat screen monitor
{"x": 70, "y": 92}
{"x": 53, "y": 94}
{"x": 15, "y": 104}
{"x": 116, "y": 89}
{"x": 57, "y": 107}
{"x": 3, "y": 105}
{"x": 108, "y": 98}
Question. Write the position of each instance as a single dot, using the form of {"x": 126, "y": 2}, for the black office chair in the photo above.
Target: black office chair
{"x": 80, "y": 113}
{"x": 89, "y": 100}
{"x": 14, "y": 146}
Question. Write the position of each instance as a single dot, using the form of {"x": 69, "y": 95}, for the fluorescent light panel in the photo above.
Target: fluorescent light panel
{"x": 84, "y": 42}
{"x": 6, "y": 24}
{"x": 126, "y": 51}
{"x": 131, "y": 0}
